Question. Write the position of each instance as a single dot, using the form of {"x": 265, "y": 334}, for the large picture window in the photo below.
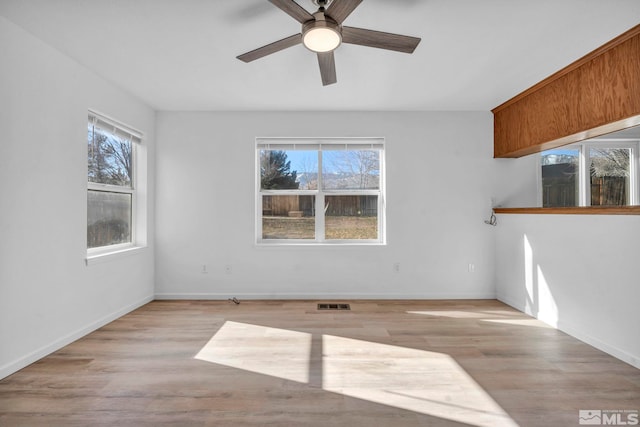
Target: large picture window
{"x": 599, "y": 173}
{"x": 320, "y": 191}
{"x": 111, "y": 151}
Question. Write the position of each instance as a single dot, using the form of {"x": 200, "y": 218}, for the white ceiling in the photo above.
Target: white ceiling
{"x": 180, "y": 54}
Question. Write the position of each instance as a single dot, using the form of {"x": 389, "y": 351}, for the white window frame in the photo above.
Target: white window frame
{"x": 314, "y": 144}
{"x": 583, "y": 177}
{"x": 135, "y": 138}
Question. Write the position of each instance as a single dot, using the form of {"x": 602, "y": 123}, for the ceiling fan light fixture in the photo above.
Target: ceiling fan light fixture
{"x": 321, "y": 36}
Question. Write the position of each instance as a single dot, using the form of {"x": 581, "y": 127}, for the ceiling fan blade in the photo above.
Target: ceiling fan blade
{"x": 293, "y": 9}
{"x": 397, "y": 42}
{"x": 327, "y": 68}
{"x": 271, "y": 48}
{"x": 340, "y": 9}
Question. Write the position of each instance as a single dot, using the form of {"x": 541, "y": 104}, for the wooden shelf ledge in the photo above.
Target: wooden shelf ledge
{"x": 582, "y": 210}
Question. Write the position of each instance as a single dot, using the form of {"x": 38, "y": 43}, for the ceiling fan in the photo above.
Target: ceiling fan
{"x": 322, "y": 32}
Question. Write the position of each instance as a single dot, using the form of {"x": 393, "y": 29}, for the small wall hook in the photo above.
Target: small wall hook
{"x": 493, "y": 220}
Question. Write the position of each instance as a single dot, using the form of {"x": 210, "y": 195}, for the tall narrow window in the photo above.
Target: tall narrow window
{"x": 609, "y": 174}
{"x": 320, "y": 191}
{"x": 560, "y": 177}
{"x": 111, "y": 150}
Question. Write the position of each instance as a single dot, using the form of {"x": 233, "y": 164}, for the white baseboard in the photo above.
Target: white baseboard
{"x": 627, "y": 357}
{"x": 309, "y": 296}
{"x": 38, "y": 354}
{"x": 570, "y": 329}
{"x": 513, "y": 304}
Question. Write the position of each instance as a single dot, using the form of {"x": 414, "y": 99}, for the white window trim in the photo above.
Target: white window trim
{"x": 316, "y": 145}
{"x": 584, "y": 187}
{"x": 106, "y": 253}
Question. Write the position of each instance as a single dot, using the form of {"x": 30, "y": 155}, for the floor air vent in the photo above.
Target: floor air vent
{"x": 334, "y": 307}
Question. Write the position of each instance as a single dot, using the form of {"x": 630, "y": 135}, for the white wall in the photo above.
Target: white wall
{"x": 576, "y": 272}
{"x": 439, "y": 179}
{"x": 48, "y": 296}
{"x": 516, "y": 184}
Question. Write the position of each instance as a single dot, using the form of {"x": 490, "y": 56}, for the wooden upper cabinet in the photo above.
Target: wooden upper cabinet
{"x": 601, "y": 88}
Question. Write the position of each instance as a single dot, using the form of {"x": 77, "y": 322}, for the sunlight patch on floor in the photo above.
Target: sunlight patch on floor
{"x": 453, "y": 314}
{"x": 416, "y": 380}
{"x": 505, "y": 318}
{"x": 520, "y": 322}
{"x": 270, "y": 351}
{"x": 421, "y": 381}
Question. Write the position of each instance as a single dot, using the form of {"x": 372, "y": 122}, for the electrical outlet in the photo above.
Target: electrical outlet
{"x": 396, "y": 267}
{"x": 228, "y": 269}
{"x": 472, "y": 268}
{"x": 204, "y": 269}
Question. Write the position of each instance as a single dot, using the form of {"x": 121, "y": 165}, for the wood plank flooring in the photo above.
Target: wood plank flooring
{"x": 285, "y": 363}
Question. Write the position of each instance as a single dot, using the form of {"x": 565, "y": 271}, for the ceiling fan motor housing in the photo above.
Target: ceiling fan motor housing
{"x": 321, "y": 3}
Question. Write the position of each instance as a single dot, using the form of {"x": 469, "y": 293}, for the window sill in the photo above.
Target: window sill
{"x": 316, "y": 244}
{"x": 102, "y": 257}
{"x": 578, "y": 210}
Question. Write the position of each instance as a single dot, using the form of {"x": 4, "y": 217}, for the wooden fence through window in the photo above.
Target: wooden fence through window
{"x": 293, "y": 205}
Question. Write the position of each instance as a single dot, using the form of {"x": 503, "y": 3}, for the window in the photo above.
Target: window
{"x": 560, "y": 177}
{"x": 609, "y": 175}
{"x": 111, "y": 184}
{"x": 596, "y": 173}
{"x": 320, "y": 191}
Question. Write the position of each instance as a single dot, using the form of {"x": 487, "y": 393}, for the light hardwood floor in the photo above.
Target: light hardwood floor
{"x": 284, "y": 363}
